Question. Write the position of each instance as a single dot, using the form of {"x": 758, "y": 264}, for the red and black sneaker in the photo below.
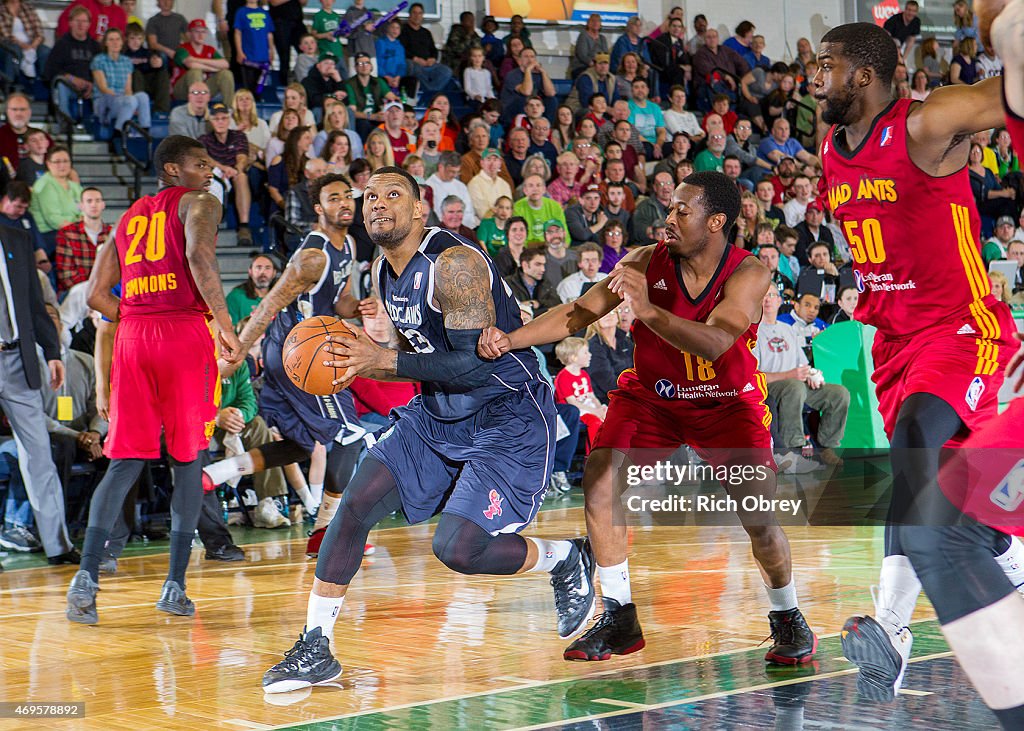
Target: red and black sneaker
{"x": 616, "y": 632}
{"x": 794, "y": 642}
{"x": 316, "y": 537}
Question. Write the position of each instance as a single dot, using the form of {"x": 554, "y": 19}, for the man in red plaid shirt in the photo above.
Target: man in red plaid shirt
{"x": 77, "y": 242}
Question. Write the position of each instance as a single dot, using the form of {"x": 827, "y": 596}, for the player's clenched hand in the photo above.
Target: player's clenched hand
{"x": 1015, "y": 363}
{"x": 226, "y": 369}
{"x": 493, "y": 343}
{"x": 230, "y": 348}
{"x": 358, "y": 352}
{"x": 631, "y": 285}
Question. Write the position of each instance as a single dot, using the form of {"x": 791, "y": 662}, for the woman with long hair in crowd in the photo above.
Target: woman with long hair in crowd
{"x": 287, "y": 170}
{"x": 932, "y": 62}
{"x": 964, "y": 21}
{"x": 563, "y": 131}
{"x": 275, "y": 148}
{"x": 338, "y": 151}
{"x": 751, "y": 216}
{"x": 992, "y": 199}
{"x": 336, "y": 118}
{"x": 378, "y": 151}
{"x": 1006, "y": 156}
{"x": 919, "y": 89}
{"x": 963, "y": 69}
{"x": 631, "y": 67}
{"x": 294, "y": 98}
{"x": 55, "y": 196}
{"x": 247, "y": 120}
{"x": 113, "y": 97}
{"x": 513, "y": 47}
{"x": 1000, "y": 286}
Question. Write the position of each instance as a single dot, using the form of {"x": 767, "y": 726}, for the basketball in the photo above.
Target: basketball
{"x": 304, "y": 354}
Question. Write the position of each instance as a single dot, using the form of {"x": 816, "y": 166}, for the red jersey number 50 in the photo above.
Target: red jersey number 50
{"x": 152, "y": 229}
{"x": 865, "y": 239}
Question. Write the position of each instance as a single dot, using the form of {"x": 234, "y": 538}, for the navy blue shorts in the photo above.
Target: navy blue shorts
{"x": 303, "y": 417}
{"x": 491, "y": 468}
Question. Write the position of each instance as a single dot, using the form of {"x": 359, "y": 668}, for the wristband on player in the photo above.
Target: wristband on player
{"x": 462, "y": 367}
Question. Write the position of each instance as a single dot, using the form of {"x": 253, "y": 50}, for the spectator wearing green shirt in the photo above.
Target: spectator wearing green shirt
{"x": 713, "y": 157}
{"x": 648, "y": 119}
{"x": 367, "y": 95}
{"x": 242, "y": 300}
{"x": 55, "y": 195}
{"x": 237, "y": 417}
{"x": 325, "y": 22}
{"x": 536, "y": 209}
{"x": 493, "y": 231}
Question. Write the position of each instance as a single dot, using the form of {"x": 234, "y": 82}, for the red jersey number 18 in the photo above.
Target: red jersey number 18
{"x": 866, "y": 245}
{"x": 152, "y": 229}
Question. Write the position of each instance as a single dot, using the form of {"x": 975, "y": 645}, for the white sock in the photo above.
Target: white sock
{"x": 549, "y": 553}
{"x": 328, "y": 507}
{"x": 782, "y": 599}
{"x": 317, "y": 490}
{"x": 898, "y": 589}
{"x": 306, "y": 497}
{"x": 224, "y": 470}
{"x": 322, "y": 612}
{"x": 615, "y": 582}
{"x": 1012, "y": 562}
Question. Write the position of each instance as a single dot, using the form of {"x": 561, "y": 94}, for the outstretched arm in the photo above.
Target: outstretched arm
{"x": 740, "y": 306}
{"x": 560, "y": 322}
{"x": 201, "y": 216}
{"x": 947, "y": 118}
{"x": 303, "y": 271}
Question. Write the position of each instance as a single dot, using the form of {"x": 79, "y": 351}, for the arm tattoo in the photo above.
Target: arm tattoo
{"x": 462, "y": 288}
{"x": 201, "y": 220}
{"x": 302, "y": 272}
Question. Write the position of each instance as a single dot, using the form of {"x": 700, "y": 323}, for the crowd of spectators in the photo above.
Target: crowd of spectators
{"x": 556, "y": 188}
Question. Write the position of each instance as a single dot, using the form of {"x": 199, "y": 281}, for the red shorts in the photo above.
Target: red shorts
{"x": 163, "y": 378}
{"x": 648, "y": 427}
{"x": 959, "y": 360}
{"x": 985, "y": 479}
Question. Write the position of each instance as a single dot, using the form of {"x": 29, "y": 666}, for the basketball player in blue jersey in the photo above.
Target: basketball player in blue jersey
{"x": 317, "y": 281}
{"x": 477, "y": 446}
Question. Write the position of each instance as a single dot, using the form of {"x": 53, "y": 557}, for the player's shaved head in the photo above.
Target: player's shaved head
{"x": 864, "y": 45}
{"x": 410, "y": 181}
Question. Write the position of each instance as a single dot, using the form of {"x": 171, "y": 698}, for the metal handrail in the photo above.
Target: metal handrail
{"x": 138, "y": 166}
{"x": 60, "y": 113}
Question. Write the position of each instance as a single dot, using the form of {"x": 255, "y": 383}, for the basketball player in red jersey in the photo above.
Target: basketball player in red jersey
{"x": 164, "y": 371}
{"x": 895, "y": 178}
{"x": 697, "y": 301}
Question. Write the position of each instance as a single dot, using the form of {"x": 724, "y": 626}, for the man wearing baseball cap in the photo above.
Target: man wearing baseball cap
{"x": 812, "y": 230}
{"x": 586, "y": 219}
{"x": 401, "y": 141}
{"x": 229, "y": 149}
{"x": 196, "y": 61}
{"x": 487, "y": 186}
{"x": 598, "y": 79}
{"x": 995, "y": 248}
{"x": 324, "y": 82}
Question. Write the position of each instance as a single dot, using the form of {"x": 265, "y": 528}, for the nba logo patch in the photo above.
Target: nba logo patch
{"x": 858, "y": 280}
{"x": 886, "y": 137}
{"x": 1009, "y": 493}
{"x": 416, "y": 280}
{"x": 974, "y": 392}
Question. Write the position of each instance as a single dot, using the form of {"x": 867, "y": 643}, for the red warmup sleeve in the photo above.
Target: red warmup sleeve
{"x": 379, "y": 397}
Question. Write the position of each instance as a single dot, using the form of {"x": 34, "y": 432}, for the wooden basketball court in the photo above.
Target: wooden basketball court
{"x": 424, "y": 648}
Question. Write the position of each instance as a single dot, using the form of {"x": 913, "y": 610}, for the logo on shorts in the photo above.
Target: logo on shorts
{"x": 966, "y": 330}
{"x": 495, "y": 508}
{"x": 748, "y": 388}
{"x": 974, "y": 392}
{"x": 858, "y": 280}
{"x": 665, "y": 388}
{"x": 1009, "y": 494}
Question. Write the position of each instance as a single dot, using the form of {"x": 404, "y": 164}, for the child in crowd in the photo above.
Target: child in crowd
{"x": 361, "y": 40}
{"x": 31, "y": 166}
{"x": 413, "y": 164}
{"x": 253, "y": 43}
{"x": 490, "y": 112}
{"x": 847, "y": 302}
{"x": 476, "y": 80}
{"x": 149, "y": 74}
{"x": 573, "y": 385}
{"x": 307, "y": 58}
{"x": 491, "y": 233}
{"x": 532, "y": 111}
{"x": 325, "y": 22}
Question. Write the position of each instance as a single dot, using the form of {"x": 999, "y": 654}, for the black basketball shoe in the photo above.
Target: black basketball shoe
{"x": 573, "y": 582}
{"x": 309, "y": 662}
{"x": 794, "y": 643}
{"x": 173, "y": 600}
{"x": 881, "y": 656}
{"x": 616, "y": 632}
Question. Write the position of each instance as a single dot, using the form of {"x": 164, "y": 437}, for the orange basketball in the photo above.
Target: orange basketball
{"x": 304, "y": 354}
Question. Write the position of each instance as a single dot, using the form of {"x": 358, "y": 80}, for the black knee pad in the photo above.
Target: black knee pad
{"x": 459, "y": 543}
